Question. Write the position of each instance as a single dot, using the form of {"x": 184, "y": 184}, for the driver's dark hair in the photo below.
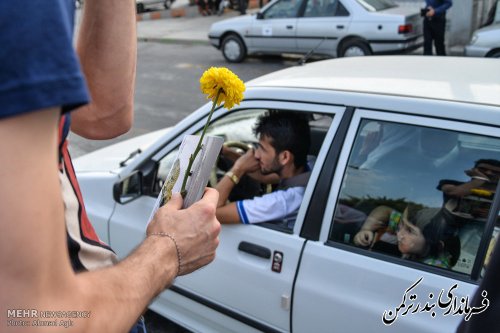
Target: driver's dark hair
{"x": 288, "y": 131}
{"x": 493, "y": 162}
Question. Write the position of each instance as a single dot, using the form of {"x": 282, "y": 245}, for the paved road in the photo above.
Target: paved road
{"x": 167, "y": 86}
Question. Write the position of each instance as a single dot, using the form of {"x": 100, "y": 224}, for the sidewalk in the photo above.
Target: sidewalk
{"x": 181, "y": 23}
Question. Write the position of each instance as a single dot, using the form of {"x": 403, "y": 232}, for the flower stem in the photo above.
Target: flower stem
{"x": 198, "y": 147}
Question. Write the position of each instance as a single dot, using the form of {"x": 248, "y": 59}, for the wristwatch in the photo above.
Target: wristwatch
{"x": 233, "y": 177}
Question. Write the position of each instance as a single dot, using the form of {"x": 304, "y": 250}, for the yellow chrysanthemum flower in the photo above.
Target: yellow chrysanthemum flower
{"x": 221, "y": 85}
{"x": 221, "y": 79}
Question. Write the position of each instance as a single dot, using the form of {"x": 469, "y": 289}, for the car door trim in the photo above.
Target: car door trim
{"x": 314, "y": 216}
{"x": 293, "y": 37}
{"x": 224, "y": 310}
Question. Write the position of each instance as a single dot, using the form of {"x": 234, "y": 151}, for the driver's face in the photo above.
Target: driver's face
{"x": 267, "y": 157}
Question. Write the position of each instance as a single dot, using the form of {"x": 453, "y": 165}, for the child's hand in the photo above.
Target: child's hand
{"x": 363, "y": 238}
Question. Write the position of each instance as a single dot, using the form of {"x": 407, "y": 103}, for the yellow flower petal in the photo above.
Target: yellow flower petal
{"x": 221, "y": 78}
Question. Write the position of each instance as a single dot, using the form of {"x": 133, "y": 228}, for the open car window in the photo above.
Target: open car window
{"x": 236, "y": 128}
{"x": 283, "y": 9}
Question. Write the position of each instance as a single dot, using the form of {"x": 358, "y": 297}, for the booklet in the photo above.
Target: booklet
{"x": 200, "y": 170}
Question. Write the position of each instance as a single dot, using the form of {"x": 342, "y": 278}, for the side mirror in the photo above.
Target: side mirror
{"x": 260, "y": 16}
{"x": 129, "y": 188}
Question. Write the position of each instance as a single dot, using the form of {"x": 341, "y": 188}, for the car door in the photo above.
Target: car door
{"x": 248, "y": 287}
{"x": 397, "y": 160}
{"x": 274, "y": 30}
{"x": 323, "y": 24}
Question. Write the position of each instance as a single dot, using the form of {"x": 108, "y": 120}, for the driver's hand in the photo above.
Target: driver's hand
{"x": 247, "y": 162}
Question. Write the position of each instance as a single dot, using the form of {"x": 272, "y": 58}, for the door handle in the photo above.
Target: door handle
{"x": 289, "y": 27}
{"x": 254, "y": 249}
{"x": 340, "y": 26}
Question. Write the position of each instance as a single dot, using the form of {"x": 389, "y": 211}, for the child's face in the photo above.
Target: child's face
{"x": 410, "y": 237}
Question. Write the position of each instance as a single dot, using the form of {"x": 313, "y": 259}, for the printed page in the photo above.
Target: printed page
{"x": 200, "y": 170}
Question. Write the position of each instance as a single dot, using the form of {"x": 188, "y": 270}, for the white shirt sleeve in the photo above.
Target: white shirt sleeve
{"x": 273, "y": 206}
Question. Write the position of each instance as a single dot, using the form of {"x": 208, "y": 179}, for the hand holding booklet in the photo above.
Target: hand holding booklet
{"x": 200, "y": 171}
{"x": 197, "y": 154}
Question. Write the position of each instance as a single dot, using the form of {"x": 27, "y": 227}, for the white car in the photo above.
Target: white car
{"x": 485, "y": 42}
{"x": 386, "y": 131}
{"x": 333, "y": 28}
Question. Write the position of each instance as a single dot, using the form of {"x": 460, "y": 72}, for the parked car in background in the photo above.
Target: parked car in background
{"x": 332, "y": 28}
{"x": 143, "y": 5}
{"x": 485, "y": 42}
{"x": 384, "y": 131}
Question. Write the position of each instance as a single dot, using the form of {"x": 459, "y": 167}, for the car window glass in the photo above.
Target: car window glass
{"x": 418, "y": 193}
{"x": 283, "y": 9}
{"x": 376, "y": 5}
{"x": 340, "y": 10}
{"x": 324, "y": 8}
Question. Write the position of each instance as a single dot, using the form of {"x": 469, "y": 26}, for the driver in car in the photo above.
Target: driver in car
{"x": 284, "y": 140}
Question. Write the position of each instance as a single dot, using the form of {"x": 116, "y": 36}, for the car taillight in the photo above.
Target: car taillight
{"x": 405, "y": 28}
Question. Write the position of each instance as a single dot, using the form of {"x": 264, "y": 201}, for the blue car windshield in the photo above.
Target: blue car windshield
{"x": 376, "y": 5}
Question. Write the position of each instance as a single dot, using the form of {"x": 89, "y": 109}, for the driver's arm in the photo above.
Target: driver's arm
{"x": 228, "y": 214}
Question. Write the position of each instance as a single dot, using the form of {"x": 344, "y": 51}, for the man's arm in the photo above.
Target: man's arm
{"x": 245, "y": 164}
{"x": 107, "y": 47}
{"x": 228, "y": 214}
{"x": 36, "y": 272}
{"x": 378, "y": 218}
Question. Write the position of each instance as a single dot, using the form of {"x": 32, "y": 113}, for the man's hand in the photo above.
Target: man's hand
{"x": 430, "y": 12}
{"x": 195, "y": 229}
{"x": 247, "y": 162}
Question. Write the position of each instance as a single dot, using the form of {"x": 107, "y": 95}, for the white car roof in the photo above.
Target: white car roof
{"x": 468, "y": 80}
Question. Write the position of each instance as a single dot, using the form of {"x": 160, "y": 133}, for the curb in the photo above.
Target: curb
{"x": 171, "y": 40}
{"x": 184, "y": 11}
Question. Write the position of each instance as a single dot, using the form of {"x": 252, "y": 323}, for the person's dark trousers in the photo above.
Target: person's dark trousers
{"x": 434, "y": 31}
{"x": 242, "y": 4}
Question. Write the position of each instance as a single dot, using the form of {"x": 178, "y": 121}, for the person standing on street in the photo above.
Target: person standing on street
{"x": 434, "y": 15}
{"x": 242, "y": 6}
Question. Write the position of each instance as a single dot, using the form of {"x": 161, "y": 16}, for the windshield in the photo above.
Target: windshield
{"x": 376, "y": 5}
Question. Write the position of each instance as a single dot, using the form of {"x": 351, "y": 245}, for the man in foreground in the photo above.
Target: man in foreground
{"x": 40, "y": 82}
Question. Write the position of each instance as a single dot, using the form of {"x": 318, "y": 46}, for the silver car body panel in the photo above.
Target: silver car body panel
{"x": 484, "y": 41}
